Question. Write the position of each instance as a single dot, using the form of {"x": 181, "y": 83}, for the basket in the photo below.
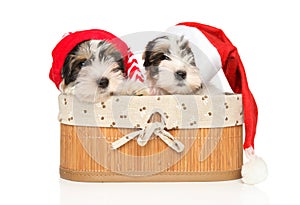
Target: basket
{"x": 152, "y": 138}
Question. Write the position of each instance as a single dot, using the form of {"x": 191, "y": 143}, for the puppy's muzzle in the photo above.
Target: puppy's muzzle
{"x": 180, "y": 75}
{"x": 103, "y": 82}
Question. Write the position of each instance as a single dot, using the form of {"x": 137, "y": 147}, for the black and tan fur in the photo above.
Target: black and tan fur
{"x": 170, "y": 66}
{"x": 94, "y": 70}
{"x": 82, "y": 55}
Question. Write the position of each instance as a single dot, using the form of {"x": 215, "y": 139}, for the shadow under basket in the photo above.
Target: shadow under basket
{"x": 152, "y": 138}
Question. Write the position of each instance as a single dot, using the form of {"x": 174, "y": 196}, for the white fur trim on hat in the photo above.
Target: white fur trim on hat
{"x": 255, "y": 170}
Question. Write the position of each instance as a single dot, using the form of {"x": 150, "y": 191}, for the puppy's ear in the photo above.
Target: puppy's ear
{"x": 74, "y": 61}
{"x": 71, "y": 68}
{"x": 146, "y": 57}
{"x": 148, "y": 53}
{"x": 154, "y": 51}
{"x": 186, "y": 50}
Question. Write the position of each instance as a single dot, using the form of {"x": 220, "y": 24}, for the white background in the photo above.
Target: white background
{"x": 266, "y": 34}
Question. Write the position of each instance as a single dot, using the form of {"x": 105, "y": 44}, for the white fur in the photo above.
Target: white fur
{"x": 255, "y": 170}
{"x": 179, "y": 58}
{"x": 201, "y": 47}
{"x": 167, "y": 81}
{"x": 86, "y": 87}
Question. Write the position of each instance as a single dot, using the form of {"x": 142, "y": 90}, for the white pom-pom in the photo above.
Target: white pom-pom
{"x": 255, "y": 170}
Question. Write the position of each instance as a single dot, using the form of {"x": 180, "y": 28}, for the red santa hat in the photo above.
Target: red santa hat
{"x": 221, "y": 53}
{"x": 70, "y": 40}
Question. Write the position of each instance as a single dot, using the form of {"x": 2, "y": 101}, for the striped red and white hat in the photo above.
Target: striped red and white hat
{"x": 70, "y": 40}
{"x": 214, "y": 51}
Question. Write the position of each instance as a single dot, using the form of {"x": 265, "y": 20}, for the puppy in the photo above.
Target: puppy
{"x": 170, "y": 67}
{"x": 94, "y": 70}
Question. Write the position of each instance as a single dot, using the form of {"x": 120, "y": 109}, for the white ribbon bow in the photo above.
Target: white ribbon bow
{"x": 144, "y": 135}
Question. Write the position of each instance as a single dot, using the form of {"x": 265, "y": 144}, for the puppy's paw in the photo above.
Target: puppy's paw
{"x": 142, "y": 92}
{"x": 130, "y": 87}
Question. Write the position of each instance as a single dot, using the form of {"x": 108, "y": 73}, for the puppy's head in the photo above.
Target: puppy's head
{"x": 170, "y": 66}
{"x": 93, "y": 70}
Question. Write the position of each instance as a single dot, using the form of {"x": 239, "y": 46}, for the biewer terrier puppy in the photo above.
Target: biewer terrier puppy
{"x": 94, "y": 71}
{"x": 170, "y": 67}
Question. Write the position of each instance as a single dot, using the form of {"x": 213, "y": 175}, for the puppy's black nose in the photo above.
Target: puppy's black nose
{"x": 103, "y": 82}
{"x": 180, "y": 75}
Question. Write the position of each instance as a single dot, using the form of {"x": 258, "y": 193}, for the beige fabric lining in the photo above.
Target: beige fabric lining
{"x": 180, "y": 111}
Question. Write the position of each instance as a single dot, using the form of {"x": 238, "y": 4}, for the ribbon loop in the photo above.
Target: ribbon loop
{"x": 120, "y": 142}
{"x": 144, "y": 135}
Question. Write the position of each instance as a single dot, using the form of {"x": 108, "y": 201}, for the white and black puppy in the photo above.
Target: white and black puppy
{"x": 170, "y": 67}
{"x": 94, "y": 70}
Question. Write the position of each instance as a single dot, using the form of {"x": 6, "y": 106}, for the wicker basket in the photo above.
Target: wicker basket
{"x": 152, "y": 138}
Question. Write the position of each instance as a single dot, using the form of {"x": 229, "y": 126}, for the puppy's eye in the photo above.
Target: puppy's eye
{"x": 83, "y": 63}
{"x": 115, "y": 70}
{"x": 164, "y": 57}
